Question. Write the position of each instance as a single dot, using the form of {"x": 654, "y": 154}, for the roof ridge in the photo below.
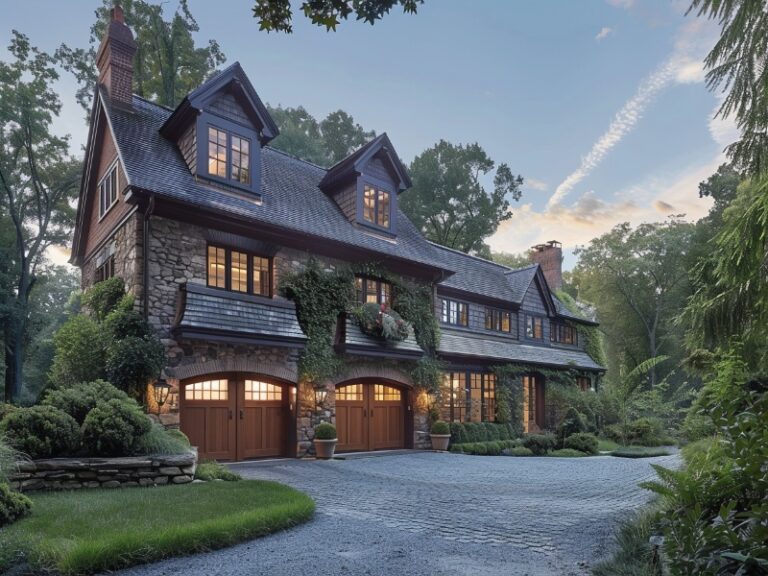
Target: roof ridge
{"x": 480, "y": 258}
{"x": 532, "y": 265}
{"x": 148, "y": 101}
{"x": 294, "y": 157}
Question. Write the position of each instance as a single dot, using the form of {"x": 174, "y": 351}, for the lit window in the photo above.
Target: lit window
{"x": 489, "y": 397}
{"x": 208, "y": 390}
{"x": 239, "y": 271}
{"x": 382, "y": 393}
{"x": 468, "y": 396}
{"x": 108, "y": 191}
{"x": 217, "y": 152}
{"x": 562, "y": 333}
{"x": 240, "y": 159}
{"x": 369, "y": 290}
{"x": 453, "y": 312}
{"x": 376, "y": 206}
{"x": 534, "y": 327}
{"x": 498, "y": 320}
{"x": 263, "y": 391}
{"x": 350, "y": 393}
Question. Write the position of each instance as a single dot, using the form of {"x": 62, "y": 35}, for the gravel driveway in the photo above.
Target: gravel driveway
{"x": 424, "y": 513}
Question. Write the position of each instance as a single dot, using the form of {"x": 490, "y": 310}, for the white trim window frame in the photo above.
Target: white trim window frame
{"x": 108, "y": 192}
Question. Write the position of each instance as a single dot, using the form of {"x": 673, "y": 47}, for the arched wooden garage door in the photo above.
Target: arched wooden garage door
{"x": 236, "y": 417}
{"x": 370, "y": 416}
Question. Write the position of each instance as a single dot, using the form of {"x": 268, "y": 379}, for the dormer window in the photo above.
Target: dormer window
{"x": 376, "y": 206}
{"x": 229, "y": 156}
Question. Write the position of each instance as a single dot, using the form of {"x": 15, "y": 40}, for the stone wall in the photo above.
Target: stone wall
{"x": 127, "y": 241}
{"x": 75, "y": 473}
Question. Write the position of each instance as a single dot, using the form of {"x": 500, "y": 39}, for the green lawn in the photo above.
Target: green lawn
{"x": 640, "y": 452}
{"x": 88, "y": 531}
{"x": 606, "y": 445}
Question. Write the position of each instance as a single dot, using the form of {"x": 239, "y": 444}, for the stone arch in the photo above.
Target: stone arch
{"x": 373, "y": 373}
{"x": 223, "y": 365}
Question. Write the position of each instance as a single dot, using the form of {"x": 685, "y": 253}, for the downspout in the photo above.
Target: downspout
{"x": 145, "y": 256}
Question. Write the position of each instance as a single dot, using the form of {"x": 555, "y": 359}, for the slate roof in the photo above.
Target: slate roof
{"x": 565, "y": 313}
{"x": 467, "y": 344}
{"x": 289, "y": 186}
{"x": 207, "y": 309}
{"x": 356, "y": 341}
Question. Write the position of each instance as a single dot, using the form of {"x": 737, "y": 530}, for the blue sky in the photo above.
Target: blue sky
{"x": 600, "y": 105}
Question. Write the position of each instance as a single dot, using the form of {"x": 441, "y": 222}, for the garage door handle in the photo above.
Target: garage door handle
{"x": 230, "y": 414}
{"x": 241, "y": 414}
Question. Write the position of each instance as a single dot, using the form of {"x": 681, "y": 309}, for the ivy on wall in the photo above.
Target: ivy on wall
{"x": 592, "y": 336}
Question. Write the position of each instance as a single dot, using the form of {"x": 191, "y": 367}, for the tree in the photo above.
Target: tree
{"x": 323, "y": 143}
{"x": 510, "y": 259}
{"x": 639, "y": 277}
{"x": 167, "y": 64}
{"x": 448, "y": 202}
{"x": 38, "y": 183}
{"x": 276, "y": 14}
{"x": 738, "y": 66}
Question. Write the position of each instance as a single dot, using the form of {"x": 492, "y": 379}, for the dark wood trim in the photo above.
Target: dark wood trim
{"x": 235, "y": 337}
{"x": 454, "y": 293}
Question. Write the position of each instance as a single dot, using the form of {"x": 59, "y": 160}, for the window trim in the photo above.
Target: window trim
{"x": 447, "y": 321}
{"x": 105, "y": 270}
{"x": 208, "y": 120}
{"x": 489, "y": 312}
{"x": 228, "y": 270}
{"x": 363, "y": 289}
{"x": 381, "y": 186}
{"x": 533, "y": 317}
{"x": 103, "y": 211}
{"x": 466, "y": 407}
{"x": 555, "y": 335}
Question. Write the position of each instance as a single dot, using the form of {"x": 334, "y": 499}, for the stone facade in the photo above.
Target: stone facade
{"x": 75, "y": 473}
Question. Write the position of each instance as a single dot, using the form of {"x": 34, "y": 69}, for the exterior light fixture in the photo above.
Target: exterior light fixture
{"x": 320, "y": 395}
{"x": 161, "y": 389}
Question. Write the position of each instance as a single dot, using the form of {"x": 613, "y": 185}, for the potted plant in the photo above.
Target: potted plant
{"x": 440, "y": 435}
{"x": 325, "y": 440}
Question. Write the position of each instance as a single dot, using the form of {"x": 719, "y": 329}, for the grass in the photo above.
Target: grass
{"x": 606, "y": 445}
{"x": 633, "y": 556}
{"x": 639, "y": 452}
{"x": 567, "y": 453}
{"x": 88, "y": 531}
{"x": 211, "y": 470}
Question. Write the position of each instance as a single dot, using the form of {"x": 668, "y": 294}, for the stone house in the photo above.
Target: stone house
{"x": 202, "y": 219}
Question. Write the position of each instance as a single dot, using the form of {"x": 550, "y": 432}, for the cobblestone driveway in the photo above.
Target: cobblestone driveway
{"x": 426, "y": 513}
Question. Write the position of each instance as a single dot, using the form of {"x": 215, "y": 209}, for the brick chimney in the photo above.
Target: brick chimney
{"x": 550, "y": 257}
{"x": 115, "y": 60}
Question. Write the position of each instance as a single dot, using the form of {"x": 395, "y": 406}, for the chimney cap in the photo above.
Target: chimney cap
{"x": 117, "y": 14}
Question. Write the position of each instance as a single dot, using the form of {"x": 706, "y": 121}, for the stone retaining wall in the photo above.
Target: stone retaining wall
{"x": 75, "y": 473}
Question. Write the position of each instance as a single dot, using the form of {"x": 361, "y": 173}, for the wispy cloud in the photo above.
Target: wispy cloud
{"x": 535, "y": 184}
{"x": 605, "y": 31}
{"x": 621, "y": 3}
{"x": 682, "y": 66}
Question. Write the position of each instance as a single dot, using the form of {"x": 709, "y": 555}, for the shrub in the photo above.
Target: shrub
{"x": 639, "y": 452}
{"x": 42, "y": 432}
{"x": 582, "y": 442}
{"x": 519, "y": 451}
{"x": 134, "y": 361}
{"x": 12, "y": 505}
{"x": 158, "y": 440}
{"x": 540, "y": 444}
{"x": 81, "y": 398}
{"x": 480, "y": 449}
{"x": 572, "y": 423}
{"x": 457, "y": 448}
{"x": 103, "y": 297}
{"x": 80, "y": 352}
{"x": 458, "y": 434}
{"x": 6, "y": 409}
{"x": 381, "y": 321}
{"x": 325, "y": 431}
{"x": 124, "y": 321}
{"x": 9, "y": 458}
{"x": 492, "y": 448}
{"x": 567, "y": 453}
{"x": 211, "y": 470}
{"x": 440, "y": 427}
{"x": 115, "y": 428}
{"x": 492, "y": 431}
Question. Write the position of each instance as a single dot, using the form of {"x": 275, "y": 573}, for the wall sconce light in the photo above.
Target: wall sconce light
{"x": 161, "y": 389}
{"x": 320, "y": 396}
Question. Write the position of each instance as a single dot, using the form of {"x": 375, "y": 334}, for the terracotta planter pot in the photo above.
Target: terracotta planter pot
{"x": 440, "y": 441}
{"x": 324, "y": 449}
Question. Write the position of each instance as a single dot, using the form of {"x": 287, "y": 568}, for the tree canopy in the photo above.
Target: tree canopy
{"x": 276, "y": 15}
{"x": 448, "y": 201}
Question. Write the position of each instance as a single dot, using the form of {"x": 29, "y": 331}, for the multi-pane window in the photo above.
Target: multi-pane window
{"x": 453, "y": 312}
{"x": 468, "y": 396}
{"x": 529, "y": 403}
{"x": 241, "y": 154}
{"x": 106, "y": 269}
{"x": 229, "y": 156}
{"x": 584, "y": 383}
{"x": 376, "y": 206}
{"x": 534, "y": 327}
{"x": 369, "y": 290}
{"x": 262, "y": 391}
{"x": 562, "y": 333}
{"x": 108, "y": 191}
{"x": 217, "y": 152}
{"x": 498, "y": 320}
{"x": 239, "y": 271}
{"x": 384, "y": 393}
{"x": 351, "y": 393}
{"x": 208, "y": 390}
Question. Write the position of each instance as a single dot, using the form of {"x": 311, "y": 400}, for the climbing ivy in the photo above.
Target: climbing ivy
{"x": 591, "y": 335}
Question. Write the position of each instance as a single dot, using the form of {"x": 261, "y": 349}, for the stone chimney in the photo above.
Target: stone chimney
{"x": 550, "y": 257}
{"x": 115, "y": 60}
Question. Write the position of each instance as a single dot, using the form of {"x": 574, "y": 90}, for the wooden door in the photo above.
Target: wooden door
{"x": 261, "y": 419}
{"x": 370, "y": 417}
{"x": 207, "y": 418}
{"x": 351, "y": 418}
{"x": 541, "y": 421}
{"x": 387, "y": 429}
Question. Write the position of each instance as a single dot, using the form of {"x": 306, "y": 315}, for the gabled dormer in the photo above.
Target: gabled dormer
{"x": 220, "y": 129}
{"x": 366, "y": 185}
